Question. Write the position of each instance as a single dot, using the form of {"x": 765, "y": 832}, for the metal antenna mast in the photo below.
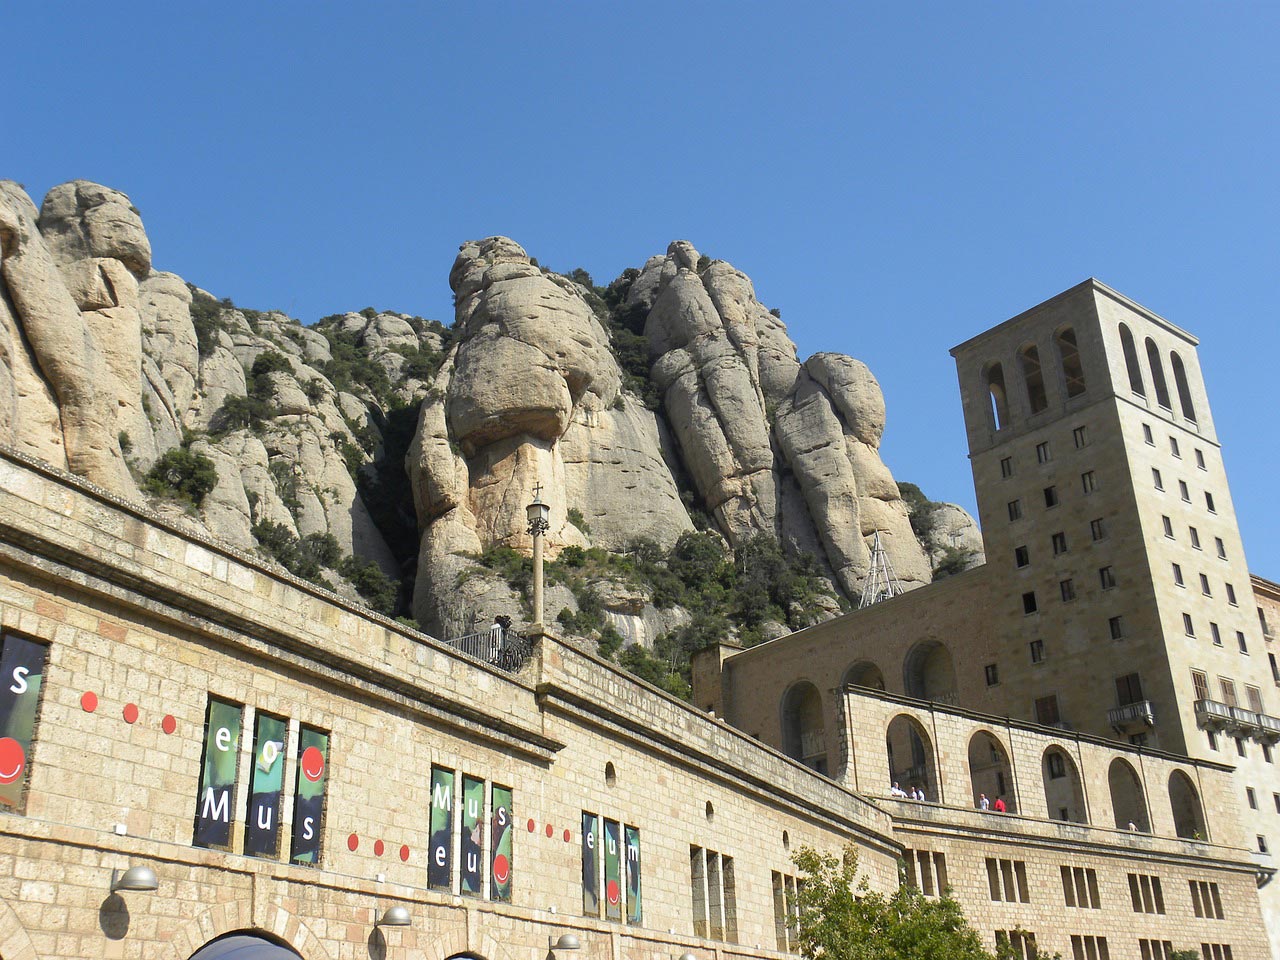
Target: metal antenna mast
{"x": 881, "y": 583}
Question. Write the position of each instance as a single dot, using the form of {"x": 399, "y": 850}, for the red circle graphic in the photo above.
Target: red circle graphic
{"x": 13, "y": 759}
{"x": 550, "y": 830}
{"x": 532, "y": 826}
{"x": 404, "y": 853}
{"x": 89, "y": 701}
{"x": 168, "y": 724}
{"x": 611, "y": 891}
{"x": 501, "y": 868}
{"x": 130, "y": 713}
{"x": 313, "y": 764}
{"x": 567, "y": 836}
{"x": 378, "y": 847}
{"x": 352, "y": 842}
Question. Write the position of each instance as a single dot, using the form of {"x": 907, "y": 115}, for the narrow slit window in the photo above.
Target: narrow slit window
{"x": 1157, "y": 374}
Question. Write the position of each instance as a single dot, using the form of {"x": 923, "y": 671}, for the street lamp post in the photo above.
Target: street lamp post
{"x": 539, "y": 523}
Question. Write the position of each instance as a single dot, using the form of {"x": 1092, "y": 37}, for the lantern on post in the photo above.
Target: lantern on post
{"x": 539, "y": 515}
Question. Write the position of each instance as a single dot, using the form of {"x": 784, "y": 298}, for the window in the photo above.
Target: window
{"x": 786, "y": 910}
{"x": 1059, "y": 541}
{"x": 1204, "y": 586}
{"x": 1188, "y": 627}
{"x": 1057, "y": 766}
{"x": 1043, "y": 455}
{"x": 1213, "y": 740}
{"x": 1275, "y": 668}
{"x": 1208, "y": 502}
{"x": 1088, "y": 482}
{"x": 1262, "y": 622}
{"x": 1177, "y": 575}
{"x": 1037, "y": 651}
{"x": 926, "y": 871}
{"x": 1228, "y": 691}
{"x": 992, "y": 672}
{"x": 1016, "y": 944}
{"x": 1021, "y": 556}
{"x": 1007, "y": 881}
{"x": 1183, "y": 491}
{"x": 1006, "y": 467}
{"x": 1157, "y": 374}
{"x": 1216, "y": 634}
{"x": 1216, "y": 951}
{"x": 1251, "y": 797}
{"x": 1089, "y": 948}
{"x": 714, "y": 895}
{"x": 1107, "y": 577}
{"x": 1254, "y": 696}
{"x": 1128, "y": 690}
{"x": 1262, "y": 844}
{"x": 1156, "y": 949}
{"x": 1173, "y": 447}
{"x": 1116, "y": 626}
{"x": 1033, "y": 377}
{"x": 1195, "y": 537}
{"x": 1068, "y": 589}
{"x": 1069, "y": 359}
{"x": 1015, "y": 510}
{"x": 1200, "y": 683}
{"x": 1205, "y": 900}
{"x": 1240, "y": 642}
{"x": 1097, "y": 529}
{"x": 1231, "y": 594}
{"x": 1146, "y": 893}
{"x": 1080, "y": 887}
{"x": 1184, "y": 392}
{"x": 1146, "y": 434}
{"x": 1047, "y": 711}
{"x": 1200, "y": 459}
{"x": 1081, "y": 437}
{"x": 1050, "y": 496}
{"x": 1221, "y": 547}
{"x": 1029, "y": 602}
{"x": 1266, "y": 751}
{"x": 1155, "y": 477}
{"x": 999, "y": 409}
{"x": 1168, "y": 527}
{"x": 1131, "y": 361}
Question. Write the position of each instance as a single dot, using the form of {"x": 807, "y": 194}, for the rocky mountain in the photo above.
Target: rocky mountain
{"x": 664, "y": 415}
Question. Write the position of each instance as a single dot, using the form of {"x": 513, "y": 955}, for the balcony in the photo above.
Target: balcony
{"x": 1138, "y": 715}
{"x": 1237, "y": 721}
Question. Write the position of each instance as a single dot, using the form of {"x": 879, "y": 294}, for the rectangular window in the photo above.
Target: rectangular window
{"x": 1006, "y": 467}
{"x": 1208, "y": 502}
{"x": 1200, "y": 683}
{"x": 714, "y": 895}
{"x": 1228, "y": 691}
{"x": 1037, "y": 651}
{"x": 1080, "y": 887}
{"x": 1183, "y": 491}
{"x": 1042, "y": 452}
{"x": 1155, "y": 949}
{"x": 1029, "y": 602}
{"x": 1016, "y": 944}
{"x": 1231, "y": 594}
{"x": 1275, "y": 668}
{"x": 1059, "y": 541}
{"x": 1097, "y": 529}
{"x": 1220, "y": 547}
{"x": 1195, "y": 537}
{"x": 1188, "y": 627}
{"x": 1262, "y": 841}
{"x": 1155, "y": 478}
{"x": 927, "y": 871}
{"x": 1240, "y": 642}
{"x": 1254, "y": 696}
{"x": 1080, "y": 435}
{"x": 1089, "y": 948}
{"x": 1204, "y": 586}
{"x": 1128, "y": 690}
{"x": 1251, "y": 798}
{"x": 1107, "y": 577}
{"x": 1173, "y": 447}
{"x": 786, "y": 911}
{"x": 1168, "y": 527}
{"x": 1146, "y": 434}
{"x": 1007, "y": 881}
{"x": 992, "y": 672}
{"x": 1216, "y": 951}
{"x": 1200, "y": 459}
{"x": 1047, "y": 711}
{"x": 1088, "y": 482}
{"x": 1206, "y": 901}
{"x": 1021, "y": 556}
{"x": 1068, "y": 589}
{"x": 1057, "y": 766}
{"x": 1050, "y": 496}
{"x": 1215, "y": 634}
{"x": 1116, "y": 627}
{"x": 1177, "y": 575}
{"x": 1146, "y": 893}
{"x": 1015, "y": 510}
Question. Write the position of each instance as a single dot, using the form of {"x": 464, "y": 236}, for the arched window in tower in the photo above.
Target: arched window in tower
{"x": 996, "y": 393}
{"x": 1184, "y": 392}
{"x": 1157, "y": 374}
{"x": 1069, "y": 358}
{"x": 1131, "y": 362}
{"x": 1033, "y": 377}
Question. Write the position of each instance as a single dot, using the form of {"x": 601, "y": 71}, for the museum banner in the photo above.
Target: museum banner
{"x": 500, "y": 845}
{"x": 21, "y": 680}
{"x": 440, "y": 853}
{"x": 308, "y": 799}
{"x": 590, "y": 865}
{"x": 612, "y": 871}
{"x": 472, "y": 836}
{"x": 634, "y": 912}
{"x": 218, "y": 774}
{"x": 266, "y": 787}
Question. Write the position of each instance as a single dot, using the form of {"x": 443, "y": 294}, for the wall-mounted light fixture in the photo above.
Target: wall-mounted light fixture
{"x": 567, "y": 941}
{"x": 690, "y": 956}
{"x": 396, "y": 916}
{"x": 139, "y": 879}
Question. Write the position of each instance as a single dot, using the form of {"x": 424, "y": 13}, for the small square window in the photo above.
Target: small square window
{"x": 1216, "y": 634}
{"x": 1146, "y": 434}
{"x": 1200, "y": 459}
{"x": 1037, "y": 651}
{"x": 1262, "y": 842}
{"x": 1047, "y": 710}
{"x": 1168, "y": 527}
{"x": 1042, "y": 452}
{"x": 1231, "y": 594}
{"x": 1097, "y": 529}
{"x": 1155, "y": 478}
{"x": 1195, "y": 537}
{"x": 1177, "y": 575}
{"x": 1068, "y": 589}
{"x": 1050, "y": 496}
{"x": 1173, "y": 447}
{"x": 1088, "y": 482}
{"x": 1240, "y": 642}
{"x": 1220, "y": 547}
{"x": 1107, "y": 577}
{"x": 992, "y": 672}
{"x": 1081, "y": 437}
{"x": 1015, "y": 510}
{"x": 1251, "y": 797}
{"x": 1116, "y": 626}
{"x": 1208, "y": 502}
{"x": 1204, "y": 586}
{"x": 1059, "y": 541}
{"x": 1021, "y": 556}
{"x": 1183, "y": 491}
{"x": 1188, "y": 627}
{"x": 1029, "y": 602}
{"x": 1006, "y": 467}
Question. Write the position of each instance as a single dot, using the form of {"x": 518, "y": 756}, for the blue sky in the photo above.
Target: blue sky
{"x": 894, "y": 179}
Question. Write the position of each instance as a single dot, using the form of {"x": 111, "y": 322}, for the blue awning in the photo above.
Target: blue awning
{"x": 243, "y": 947}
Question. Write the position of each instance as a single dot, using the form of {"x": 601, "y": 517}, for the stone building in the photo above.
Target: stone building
{"x": 1115, "y": 601}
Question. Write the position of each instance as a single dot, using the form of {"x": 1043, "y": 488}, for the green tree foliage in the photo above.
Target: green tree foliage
{"x": 921, "y": 510}
{"x": 841, "y": 918}
{"x": 183, "y": 475}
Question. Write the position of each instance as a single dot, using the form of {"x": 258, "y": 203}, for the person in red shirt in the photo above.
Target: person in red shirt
{"x": 999, "y": 806}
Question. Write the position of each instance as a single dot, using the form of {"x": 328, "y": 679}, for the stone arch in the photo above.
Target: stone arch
{"x": 1069, "y": 363}
{"x": 1033, "y": 377}
{"x": 1157, "y": 374}
{"x": 1188, "y": 813}
{"x": 1131, "y": 364}
{"x": 1063, "y": 789}
{"x": 990, "y": 772}
{"x": 928, "y": 672}
{"x": 1184, "y": 391}
{"x": 998, "y": 399}
{"x": 864, "y": 673}
{"x": 15, "y": 943}
{"x": 803, "y": 725}
{"x": 245, "y": 944}
{"x": 236, "y": 916}
{"x": 1127, "y": 802}
{"x": 911, "y": 757}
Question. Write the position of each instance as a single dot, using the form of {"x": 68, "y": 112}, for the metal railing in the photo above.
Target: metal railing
{"x": 504, "y": 649}
{"x": 1213, "y": 715}
{"x": 1140, "y": 711}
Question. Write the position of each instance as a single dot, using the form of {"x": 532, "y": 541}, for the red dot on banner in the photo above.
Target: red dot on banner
{"x": 378, "y": 847}
{"x": 550, "y": 830}
{"x": 532, "y": 826}
{"x": 612, "y": 892}
{"x": 13, "y": 760}
{"x": 130, "y": 713}
{"x": 168, "y": 724}
{"x": 501, "y": 868}
{"x": 89, "y": 701}
{"x": 404, "y": 854}
{"x": 566, "y": 836}
{"x": 352, "y": 842}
